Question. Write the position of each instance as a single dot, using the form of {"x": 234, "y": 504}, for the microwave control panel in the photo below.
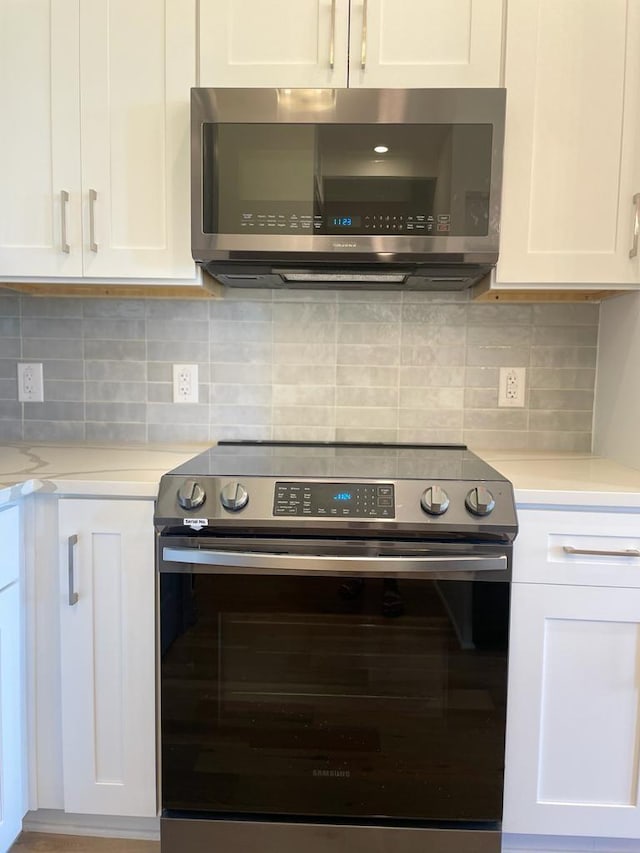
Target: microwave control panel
{"x": 346, "y": 223}
{"x": 331, "y": 500}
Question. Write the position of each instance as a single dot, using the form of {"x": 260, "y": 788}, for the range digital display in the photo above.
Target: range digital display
{"x": 334, "y": 500}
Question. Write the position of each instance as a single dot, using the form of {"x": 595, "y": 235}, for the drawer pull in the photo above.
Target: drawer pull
{"x": 592, "y": 552}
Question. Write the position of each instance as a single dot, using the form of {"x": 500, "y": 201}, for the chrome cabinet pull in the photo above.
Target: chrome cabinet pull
{"x": 633, "y": 251}
{"x": 332, "y": 38}
{"x": 363, "y": 44}
{"x": 593, "y": 552}
{"x": 64, "y": 198}
{"x": 71, "y": 543}
{"x": 93, "y": 196}
{"x": 246, "y": 562}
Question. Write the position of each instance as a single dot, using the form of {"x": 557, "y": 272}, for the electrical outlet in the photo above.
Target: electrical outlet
{"x": 185, "y": 383}
{"x": 30, "y": 383}
{"x": 511, "y": 387}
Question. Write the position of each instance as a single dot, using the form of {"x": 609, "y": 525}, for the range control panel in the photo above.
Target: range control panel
{"x": 330, "y": 500}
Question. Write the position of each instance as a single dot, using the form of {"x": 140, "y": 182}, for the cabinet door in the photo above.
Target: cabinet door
{"x": 422, "y": 43}
{"x": 12, "y": 713}
{"x": 572, "y": 75}
{"x": 108, "y": 657}
{"x": 573, "y": 713}
{"x": 137, "y": 63}
{"x": 284, "y": 43}
{"x": 40, "y": 228}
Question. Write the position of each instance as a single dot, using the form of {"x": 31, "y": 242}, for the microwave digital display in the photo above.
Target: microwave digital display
{"x": 315, "y": 179}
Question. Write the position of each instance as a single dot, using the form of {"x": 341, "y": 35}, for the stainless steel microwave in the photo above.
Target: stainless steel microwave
{"x": 378, "y": 188}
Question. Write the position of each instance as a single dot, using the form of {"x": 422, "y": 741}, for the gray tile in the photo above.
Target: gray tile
{"x": 9, "y": 347}
{"x": 369, "y": 312}
{"x": 479, "y": 440}
{"x": 346, "y": 433}
{"x": 51, "y": 306}
{"x": 179, "y": 352}
{"x": 176, "y": 330}
{"x": 435, "y": 314}
{"x": 308, "y": 354}
{"x": 431, "y": 398}
{"x": 303, "y": 433}
{"x": 431, "y": 296}
{"x": 116, "y": 371}
{"x": 230, "y": 333}
{"x": 242, "y": 353}
{"x": 431, "y": 419}
{"x": 303, "y": 395}
{"x": 578, "y": 442}
{"x": 177, "y": 309}
{"x": 128, "y": 432}
{"x": 303, "y": 314}
{"x": 121, "y": 392}
{"x": 43, "y": 327}
{"x": 121, "y": 329}
{"x": 303, "y": 374}
{"x": 63, "y": 369}
{"x": 8, "y": 389}
{"x": 369, "y": 296}
{"x": 362, "y": 334}
{"x": 115, "y": 350}
{"x": 561, "y": 400}
{"x": 39, "y": 349}
{"x": 111, "y": 308}
{"x": 417, "y": 334}
{"x": 363, "y": 377}
{"x": 300, "y": 295}
{"x": 241, "y": 395}
{"x": 489, "y": 356}
{"x": 252, "y": 432}
{"x": 563, "y": 357}
{"x": 54, "y": 431}
{"x": 366, "y": 418}
{"x": 222, "y": 311}
{"x": 252, "y": 373}
{"x": 542, "y": 421}
{"x": 496, "y": 419}
{"x": 162, "y": 433}
{"x": 499, "y": 336}
{"x": 63, "y": 390}
{"x": 9, "y": 304}
{"x": 372, "y": 354}
{"x": 51, "y": 410}
{"x": 241, "y": 415}
{"x": 11, "y": 410}
{"x": 9, "y": 327}
{"x": 303, "y": 416}
{"x": 367, "y": 397}
{"x": 570, "y": 313}
{"x": 447, "y": 356}
{"x": 562, "y": 377}
{"x": 10, "y": 430}
{"x": 243, "y": 294}
{"x": 575, "y": 336}
{"x": 432, "y": 377}
{"x": 116, "y": 412}
{"x": 9, "y": 368}
{"x": 429, "y": 435}
{"x": 480, "y": 314}
{"x": 322, "y": 333}
{"x": 482, "y": 377}
{"x": 177, "y": 413}
{"x": 160, "y": 392}
{"x": 481, "y": 398}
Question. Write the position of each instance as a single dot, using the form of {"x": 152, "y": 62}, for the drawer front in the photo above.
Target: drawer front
{"x": 582, "y": 548}
{"x": 9, "y": 545}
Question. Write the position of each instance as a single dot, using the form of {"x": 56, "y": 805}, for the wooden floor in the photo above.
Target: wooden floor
{"x": 38, "y": 842}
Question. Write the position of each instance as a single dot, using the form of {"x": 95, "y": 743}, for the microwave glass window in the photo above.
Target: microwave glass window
{"x": 418, "y": 180}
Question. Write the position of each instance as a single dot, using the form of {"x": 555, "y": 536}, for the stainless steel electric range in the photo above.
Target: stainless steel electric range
{"x": 333, "y": 640}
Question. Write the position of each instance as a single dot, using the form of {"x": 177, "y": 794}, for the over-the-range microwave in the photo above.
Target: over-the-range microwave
{"x": 376, "y": 188}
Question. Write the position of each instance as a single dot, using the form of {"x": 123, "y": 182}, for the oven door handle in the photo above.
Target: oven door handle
{"x": 247, "y": 562}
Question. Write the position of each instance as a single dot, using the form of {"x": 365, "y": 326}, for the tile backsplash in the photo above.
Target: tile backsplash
{"x": 284, "y": 365}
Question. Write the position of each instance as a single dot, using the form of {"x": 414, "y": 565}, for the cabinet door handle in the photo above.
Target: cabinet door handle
{"x": 633, "y": 251}
{"x": 332, "y": 37}
{"x": 593, "y": 552}
{"x": 64, "y": 198}
{"x": 363, "y": 43}
{"x": 93, "y": 196}
{"x": 71, "y": 543}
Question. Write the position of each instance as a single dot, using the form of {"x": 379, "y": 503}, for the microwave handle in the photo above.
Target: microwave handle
{"x": 636, "y": 226}
{"x": 250, "y": 562}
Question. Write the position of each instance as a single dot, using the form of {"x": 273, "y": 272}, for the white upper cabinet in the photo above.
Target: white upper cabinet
{"x": 95, "y": 146}
{"x": 337, "y": 43}
{"x": 572, "y": 147}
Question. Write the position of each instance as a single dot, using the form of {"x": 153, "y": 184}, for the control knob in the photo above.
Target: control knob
{"x": 434, "y": 500}
{"x": 191, "y": 495}
{"x": 234, "y": 497}
{"x": 480, "y": 501}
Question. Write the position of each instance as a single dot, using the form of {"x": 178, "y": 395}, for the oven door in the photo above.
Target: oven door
{"x": 292, "y": 690}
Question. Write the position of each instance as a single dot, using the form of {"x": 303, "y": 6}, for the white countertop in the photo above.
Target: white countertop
{"x": 539, "y": 477}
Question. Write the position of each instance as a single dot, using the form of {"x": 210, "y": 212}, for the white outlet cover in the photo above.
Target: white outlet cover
{"x": 511, "y": 387}
{"x": 185, "y": 383}
{"x": 30, "y": 383}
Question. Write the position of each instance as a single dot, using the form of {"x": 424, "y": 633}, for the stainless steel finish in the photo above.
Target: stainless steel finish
{"x": 72, "y": 541}
{"x": 434, "y": 500}
{"x": 248, "y": 562}
{"x": 93, "y": 197}
{"x": 191, "y": 495}
{"x": 363, "y": 42}
{"x": 202, "y": 836}
{"x": 349, "y": 106}
{"x": 596, "y": 552}
{"x": 64, "y": 198}
{"x": 234, "y": 497}
{"x": 633, "y": 251}
{"x": 480, "y": 501}
{"x": 332, "y": 38}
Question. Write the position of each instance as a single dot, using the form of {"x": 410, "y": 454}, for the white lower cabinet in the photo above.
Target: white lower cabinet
{"x": 12, "y": 713}
{"x": 107, "y": 585}
{"x": 573, "y": 729}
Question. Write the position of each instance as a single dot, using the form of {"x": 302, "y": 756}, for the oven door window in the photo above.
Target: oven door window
{"x": 314, "y": 697}
{"x": 304, "y": 179}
